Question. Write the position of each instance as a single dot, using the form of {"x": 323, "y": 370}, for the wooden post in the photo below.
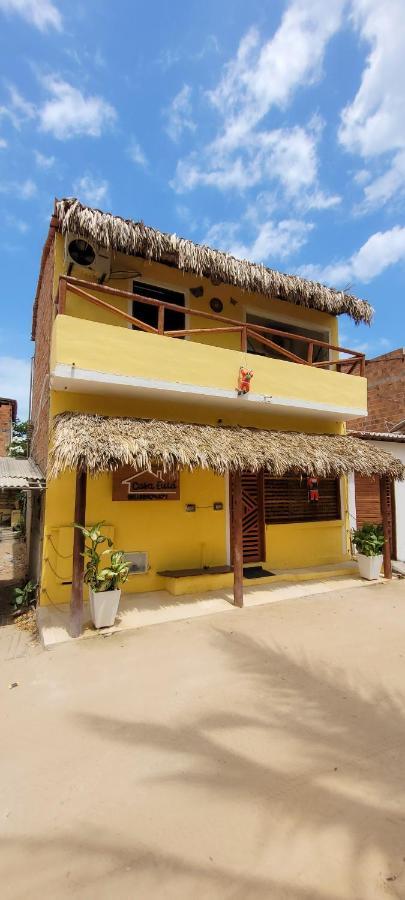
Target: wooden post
{"x": 237, "y": 539}
{"x": 385, "y": 512}
{"x": 76, "y": 603}
{"x": 161, "y": 320}
{"x": 62, "y": 297}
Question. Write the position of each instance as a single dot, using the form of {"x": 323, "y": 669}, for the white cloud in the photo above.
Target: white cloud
{"x": 285, "y": 156}
{"x": 90, "y": 190}
{"x": 136, "y": 153}
{"x": 373, "y": 124}
{"x": 43, "y": 14}
{"x": 42, "y": 161}
{"x": 24, "y": 190}
{"x": 19, "y": 110}
{"x": 15, "y": 381}
{"x": 263, "y": 75}
{"x": 18, "y": 224}
{"x": 70, "y": 113}
{"x": 272, "y": 240}
{"x": 3, "y": 144}
{"x": 381, "y": 250}
{"x": 179, "y": 114}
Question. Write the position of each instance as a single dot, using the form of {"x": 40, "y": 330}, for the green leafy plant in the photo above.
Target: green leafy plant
{"x": 20, "y": 440}
{"x": 369, "y": 540}
{"x": 97, "y": 576}
{"x": 25, "y": 597}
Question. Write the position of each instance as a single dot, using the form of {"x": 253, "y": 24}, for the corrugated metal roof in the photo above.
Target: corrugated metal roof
{"x": 20, "y": 473}
{"x": 393, "y": 436}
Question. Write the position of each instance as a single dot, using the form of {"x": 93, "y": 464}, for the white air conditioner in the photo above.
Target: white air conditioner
{"x": 81, "y": 252}
{"x": 138, "y": 562}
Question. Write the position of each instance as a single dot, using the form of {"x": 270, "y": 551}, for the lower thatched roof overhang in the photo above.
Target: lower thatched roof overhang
{"x": 103, "y": 443}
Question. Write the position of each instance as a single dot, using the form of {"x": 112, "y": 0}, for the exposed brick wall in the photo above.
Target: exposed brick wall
{"x": 40, "y": 382}
{"x": 385, "y": 393}
{"x": 6, "y": 422}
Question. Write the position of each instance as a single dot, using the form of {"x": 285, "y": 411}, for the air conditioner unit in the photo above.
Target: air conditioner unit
{"x": 80, "y": 251}
{"x": 138, "y": 562}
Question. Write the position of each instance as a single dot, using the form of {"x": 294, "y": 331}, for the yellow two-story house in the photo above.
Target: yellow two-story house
{"x": 202, "y": 398}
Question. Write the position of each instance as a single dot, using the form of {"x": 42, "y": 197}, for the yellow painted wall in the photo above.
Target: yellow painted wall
{"x": 172, "y": 537}
{"x": 101, "y": 348}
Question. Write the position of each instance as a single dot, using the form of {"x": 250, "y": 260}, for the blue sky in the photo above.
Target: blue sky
{"x": 275, "y": 131}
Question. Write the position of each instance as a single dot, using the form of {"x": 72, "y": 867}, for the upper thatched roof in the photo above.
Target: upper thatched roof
{"x": 102, "y": 443}
{"x": 137, "y": 239}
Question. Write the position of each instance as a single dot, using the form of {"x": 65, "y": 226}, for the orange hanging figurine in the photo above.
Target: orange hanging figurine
{"x": 313, "y": 489}
{"x": 245, "y": 377}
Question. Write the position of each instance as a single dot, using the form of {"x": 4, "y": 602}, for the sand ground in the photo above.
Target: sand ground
{"x": 253, "y": 754}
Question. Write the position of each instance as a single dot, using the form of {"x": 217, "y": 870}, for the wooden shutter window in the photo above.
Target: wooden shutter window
{"x": 286, "y": 500}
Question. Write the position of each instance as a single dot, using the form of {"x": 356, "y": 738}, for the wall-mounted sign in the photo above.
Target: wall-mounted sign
{"x": 150, "y": 484}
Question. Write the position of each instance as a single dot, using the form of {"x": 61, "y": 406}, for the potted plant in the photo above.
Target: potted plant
{"x": 104, "y": 582}
{"x": 369, "y": 542}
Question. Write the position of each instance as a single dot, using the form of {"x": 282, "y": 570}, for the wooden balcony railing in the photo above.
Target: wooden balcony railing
{"x": 352, "y": 363}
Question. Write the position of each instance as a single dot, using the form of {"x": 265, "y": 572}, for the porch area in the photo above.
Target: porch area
{"x": 139, "y": 610}
{"x": 91, "y": 445}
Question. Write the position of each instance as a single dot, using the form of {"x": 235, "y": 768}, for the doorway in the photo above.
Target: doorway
{"x": 253, "y": 529}
{"x": 173, "y": 320}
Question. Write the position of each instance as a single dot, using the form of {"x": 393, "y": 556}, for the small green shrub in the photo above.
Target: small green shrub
{"x": 25, "y": 597}
{"x": 369, "y": 539}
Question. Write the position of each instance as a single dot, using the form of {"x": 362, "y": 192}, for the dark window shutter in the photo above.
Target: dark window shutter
{"x": 286, "y": 500}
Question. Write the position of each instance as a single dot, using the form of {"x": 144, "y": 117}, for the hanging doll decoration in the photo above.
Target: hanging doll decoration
{"x": 313, "y": 489}
{"x": 245, "y": 377}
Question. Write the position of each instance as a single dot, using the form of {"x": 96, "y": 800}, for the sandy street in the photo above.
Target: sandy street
{"x": 253, "y": 754}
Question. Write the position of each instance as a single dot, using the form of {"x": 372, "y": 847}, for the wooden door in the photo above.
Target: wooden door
{"x": 253, "y": 533}
{"x": 368, "y": 505}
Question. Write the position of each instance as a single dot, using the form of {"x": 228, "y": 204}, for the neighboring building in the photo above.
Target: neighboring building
{"x": 137, "y": 368}
{"x": 8, "y": 415}
{"x": 385, "y": 428}
{"x": 385, "y": 394}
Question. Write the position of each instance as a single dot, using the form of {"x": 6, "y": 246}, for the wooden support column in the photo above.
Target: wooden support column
{"x": 76, "y": 603}
{"x": 237, "y": 539}
{"x": 385, "y": 514}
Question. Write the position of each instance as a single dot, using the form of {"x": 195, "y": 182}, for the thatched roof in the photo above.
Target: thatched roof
{"x": 102, "y": 443}
{"x": 137, "y": 239}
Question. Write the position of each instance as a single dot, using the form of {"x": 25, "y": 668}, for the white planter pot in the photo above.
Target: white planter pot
{"x": 104, "y": 607}
{"x": 369, "y": 566}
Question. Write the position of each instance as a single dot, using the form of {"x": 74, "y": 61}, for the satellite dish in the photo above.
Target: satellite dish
{"x": 81, "y": 252}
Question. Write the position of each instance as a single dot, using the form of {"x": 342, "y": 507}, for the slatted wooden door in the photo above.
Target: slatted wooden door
{"x": 368, "y": 505}
{"x": 254, "y": 544}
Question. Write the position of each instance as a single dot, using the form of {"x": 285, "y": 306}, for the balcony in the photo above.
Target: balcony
{"x": 98, "y": 357}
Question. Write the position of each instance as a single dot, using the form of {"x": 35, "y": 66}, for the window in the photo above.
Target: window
{"x": 286, "y": 500}
{"x": 299, "y": 348}
{"x": 149, "y": 314}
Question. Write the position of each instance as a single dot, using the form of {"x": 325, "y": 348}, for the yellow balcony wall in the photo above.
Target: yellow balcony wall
{"x": 94, "y": 356}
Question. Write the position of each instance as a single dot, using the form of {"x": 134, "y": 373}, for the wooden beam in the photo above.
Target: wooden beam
{"x": 237, "y": 539}
{"x": 76, "y": 603}
{"x": 385, "y": 513}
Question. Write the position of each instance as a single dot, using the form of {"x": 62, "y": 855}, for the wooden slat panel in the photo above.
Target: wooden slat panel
{"x": 252, "y": 517}
{"x": 368, "y": 504}
{"x": 286, "y": 500}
